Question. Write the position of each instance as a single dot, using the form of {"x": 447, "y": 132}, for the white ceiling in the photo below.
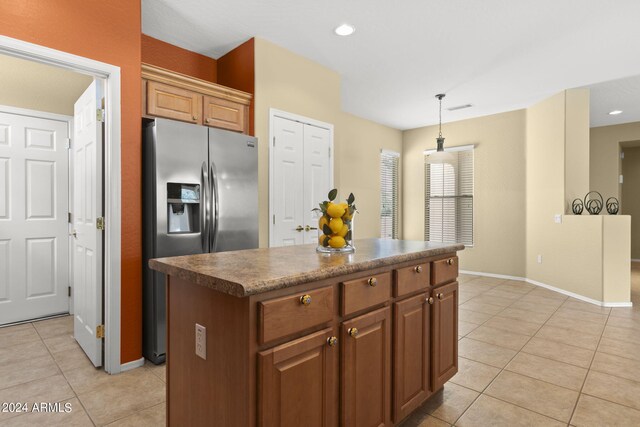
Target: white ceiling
{"x": 498, "y": 55}
{"x": 622, "y": 94}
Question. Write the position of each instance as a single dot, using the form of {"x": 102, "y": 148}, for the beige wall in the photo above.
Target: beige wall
{"x": 40, "y": 87}
{"x": 631, "y": 195}
{"x": 586, "y": 255}
{"x": 605, "y": 156}
{"x": 576, "y": 146}
{"x": 499, "y": 188}
{"x": 291, "y": 83}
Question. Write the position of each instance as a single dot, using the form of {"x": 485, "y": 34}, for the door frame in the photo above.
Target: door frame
{"x": 112, "y": 177}
{"x": 273, "y": 113}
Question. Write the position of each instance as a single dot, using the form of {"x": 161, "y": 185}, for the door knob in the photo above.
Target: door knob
{"x": 74, "y": 234}
{"x": 307, "y": 228}
{"x": 299, "y": 228}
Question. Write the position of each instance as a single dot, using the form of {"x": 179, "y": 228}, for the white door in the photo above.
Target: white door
{"x": 87, "y": 208}
{"x": 288, "y": 158}
{"x": 316, "y": 179}
{"x": 34, "y": 202}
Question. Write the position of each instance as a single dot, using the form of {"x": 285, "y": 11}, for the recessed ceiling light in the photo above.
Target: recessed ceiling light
{"x": 615, "y": 112}
{"x": 344, "y": 30}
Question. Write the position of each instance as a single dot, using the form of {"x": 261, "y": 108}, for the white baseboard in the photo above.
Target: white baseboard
{"x": 132, "y": 365}
{"x": 552, "y": 288}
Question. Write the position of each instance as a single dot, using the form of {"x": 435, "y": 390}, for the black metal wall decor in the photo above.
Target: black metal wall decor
{"x": 613, "y": 206}
{"x": 577, "y": 207}
{"x": 594, "y": 206}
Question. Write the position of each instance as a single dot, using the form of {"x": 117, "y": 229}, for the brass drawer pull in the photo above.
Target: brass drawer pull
{"x": 195, "y": 118}
{"x": 207, "y": 120}
{"x": 372, "y": 281}
{"x": 332, "y": 341}
{"x": 418, "y": 269}
{"x": 430, "y": 300}
{"x": 353, "y": 332}
{"x": 440, "y": 296}
{"x": 450, "y": 261}
{"x": 305, "y": 299}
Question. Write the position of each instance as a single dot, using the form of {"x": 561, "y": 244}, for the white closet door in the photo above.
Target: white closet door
{"x": 317, "y": 177}
{"x": 288, "y": 159}
{"x": 34, "y": 182}
{"x": 87, "y": 207}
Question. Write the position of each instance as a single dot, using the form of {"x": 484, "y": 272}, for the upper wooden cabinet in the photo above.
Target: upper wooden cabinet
{"x": 177, "y": 96}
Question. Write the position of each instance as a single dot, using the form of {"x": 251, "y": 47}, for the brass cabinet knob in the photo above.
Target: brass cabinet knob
{"x": 207, "y": 120}
{"x": 353, "y": 332}
{"x": 195, "y": 118}
{"x": 299, "y": 228}
{"x": 305, "y": 299}
{"x": 439, "y": 296}
{"x": 332, "y": 341}
{"x": 418, "y": 269}
{"x": 450, "y": 261}
{"x": 372, "y": 281}
{"x": 430, "y": 300}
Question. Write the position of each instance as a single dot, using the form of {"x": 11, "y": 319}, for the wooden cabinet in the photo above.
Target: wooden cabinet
{"x": 298, "y": 381}
{"x": 444, "y": 270}
{"x": 444, "y": 334}
{"x": 176, "y": 96}
{"x": 413, "y": 278}
{"x": 366, "y": 370}
{"x": 411, "y": 354}
{"x": 365, "y": 292}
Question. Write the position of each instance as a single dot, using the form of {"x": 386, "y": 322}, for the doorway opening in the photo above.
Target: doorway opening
{"x": 630, "y": 205}
{"x": 51, "y": 190}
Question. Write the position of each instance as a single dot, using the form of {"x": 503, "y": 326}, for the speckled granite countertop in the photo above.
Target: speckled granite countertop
{"x": 254, "y": 271}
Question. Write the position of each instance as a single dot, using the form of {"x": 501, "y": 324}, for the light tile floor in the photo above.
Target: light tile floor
{"x": 528, "y": 357}
{"x": 41, "y": 362}
{"x": 533, "y": 357}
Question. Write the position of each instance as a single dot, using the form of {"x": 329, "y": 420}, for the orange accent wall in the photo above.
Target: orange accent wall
{"x": 107, "y": 31}
{"x": 174, "y": 58}
{"x": 236, "y": 69}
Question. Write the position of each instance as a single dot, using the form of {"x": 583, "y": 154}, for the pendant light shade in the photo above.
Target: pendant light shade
{"x": 440, "y": 156}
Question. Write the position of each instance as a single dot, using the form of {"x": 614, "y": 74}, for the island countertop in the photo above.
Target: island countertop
{"x": 254, "y": 271}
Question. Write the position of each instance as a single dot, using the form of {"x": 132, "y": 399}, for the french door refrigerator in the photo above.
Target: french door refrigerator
{"x": 200, "y": 194}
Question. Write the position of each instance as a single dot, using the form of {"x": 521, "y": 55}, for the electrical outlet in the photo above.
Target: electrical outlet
{"x": 539, "y": 259}
{"x": 557, "y": 218}
{"x": 201, "y": 341}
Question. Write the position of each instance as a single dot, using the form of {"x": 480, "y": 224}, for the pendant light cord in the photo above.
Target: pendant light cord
{"x": 440, "y": 118}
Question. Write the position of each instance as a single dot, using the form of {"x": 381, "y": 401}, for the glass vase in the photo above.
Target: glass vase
{"x": 340, "y": 242}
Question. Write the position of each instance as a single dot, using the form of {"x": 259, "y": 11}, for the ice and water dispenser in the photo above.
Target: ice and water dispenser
{"x": 183, "y": 208}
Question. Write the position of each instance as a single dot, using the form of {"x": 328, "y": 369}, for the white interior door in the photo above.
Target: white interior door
{"x": 317, "y": 176}
{"x": 288, "y": 158}
{"x": 34, "y": 201}
{"x": 87, "y": 208}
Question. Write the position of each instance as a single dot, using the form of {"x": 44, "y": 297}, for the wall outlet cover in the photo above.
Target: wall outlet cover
{"x": 557, "y": 218}
{"x": 539, "y": 259}
{"x": 201, "y": 341}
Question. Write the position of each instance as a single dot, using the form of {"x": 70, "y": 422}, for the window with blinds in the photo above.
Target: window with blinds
{"x": 389, "y": 162}
{"x": 448, "y": 209}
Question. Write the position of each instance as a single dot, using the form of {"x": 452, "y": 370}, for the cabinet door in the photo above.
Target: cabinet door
{"x": 366, "y": 370}
{"x": 225, "y": 114}
{"x": 173, "y": 103}
{"x": 411, "y": 355}
{"x": 298, "y": 382}
{"x": 444, "y": 334}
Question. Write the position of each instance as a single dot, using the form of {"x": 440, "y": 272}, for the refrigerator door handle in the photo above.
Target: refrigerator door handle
{"x": 215, "y": 207}
{"x": 204, "y": 211}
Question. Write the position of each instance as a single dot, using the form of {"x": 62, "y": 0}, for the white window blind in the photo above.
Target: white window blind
{"x": 448, "y": 209}
{"x": 389, "y": 162}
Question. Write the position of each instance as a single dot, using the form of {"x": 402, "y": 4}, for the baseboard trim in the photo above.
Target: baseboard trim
{"x": 551, "y": 288}
{"x": 132, "y": 365}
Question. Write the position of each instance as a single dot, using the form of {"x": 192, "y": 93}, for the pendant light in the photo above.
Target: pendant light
{"x": 440, "y": 156}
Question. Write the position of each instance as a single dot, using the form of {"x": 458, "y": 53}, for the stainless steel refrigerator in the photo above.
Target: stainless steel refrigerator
{"x": 200, "y": 194}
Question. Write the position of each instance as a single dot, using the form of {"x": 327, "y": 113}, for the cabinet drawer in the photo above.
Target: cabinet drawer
{"x": 365, "y": 292}
{"x": 225, "y": 114}
{"x": 444, "y": 270}
{"x": 287, "y": 315}
{"x": 413, "y": 278}
{"x": 173, "y": 103}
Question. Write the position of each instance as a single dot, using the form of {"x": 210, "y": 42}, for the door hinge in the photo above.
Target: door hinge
{"x": 100, "y": 331}
{"x": 274, "y": 141}
{"x": 329, "y": 152}
{"x": 68, "y": 143}
{"x": 274, "y": 220}
{"x": 100, "y": 223}
{"x": 100, "y": 115}
{"x": 69, "y": 218}
{"x": 69, "y": 292}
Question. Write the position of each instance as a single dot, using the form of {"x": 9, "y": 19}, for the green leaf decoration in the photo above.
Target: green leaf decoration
{"x": 323, "y": 206}
{"x": 351, "y": 199}
{"x": 352, "y": 209}
{"x": 348, "y": 235}
{"x": 332, "y": 194}
{"x": 325, "y": 242}
{"x": 316, "y": 210}
{"x": 327, "y": 230}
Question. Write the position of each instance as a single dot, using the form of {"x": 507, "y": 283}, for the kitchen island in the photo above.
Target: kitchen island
{"x": 297, "y": 338}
